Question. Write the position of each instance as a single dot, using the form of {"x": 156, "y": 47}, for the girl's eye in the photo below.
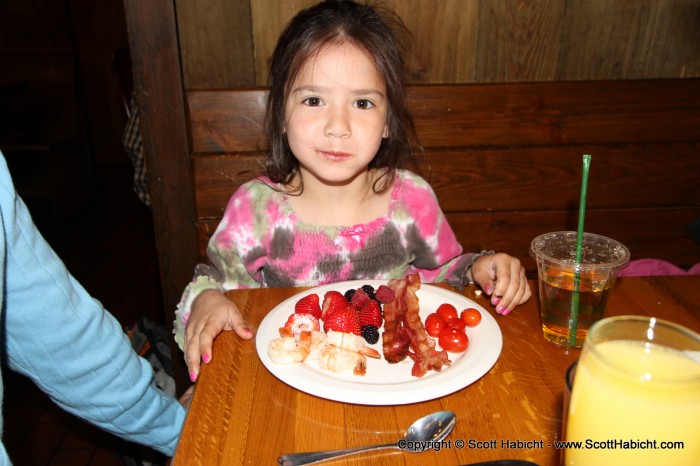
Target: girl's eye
{"x": 364, "y": 104}
{"x": 312, "y": 101}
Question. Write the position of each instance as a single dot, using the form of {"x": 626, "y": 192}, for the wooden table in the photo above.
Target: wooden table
{"x": 242, "y": 414}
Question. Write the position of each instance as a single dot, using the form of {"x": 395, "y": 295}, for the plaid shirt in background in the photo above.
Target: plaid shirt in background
{"x": 134, "y": 148}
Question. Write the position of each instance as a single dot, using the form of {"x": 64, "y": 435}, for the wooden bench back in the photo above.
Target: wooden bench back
{"x": 505, "y": 160}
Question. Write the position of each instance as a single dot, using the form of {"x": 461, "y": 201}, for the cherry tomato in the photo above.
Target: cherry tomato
{"x": 434, "y": 324}
{"x": 447, "y": 311}
{"x": 452, "y": 340}
{"x": 471, "y": 317}
{"x": 457, "y": 324}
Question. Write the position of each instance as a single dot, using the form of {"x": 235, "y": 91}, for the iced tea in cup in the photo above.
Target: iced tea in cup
{"x": 636, "y": 396}
{"x": 557, "y": 269}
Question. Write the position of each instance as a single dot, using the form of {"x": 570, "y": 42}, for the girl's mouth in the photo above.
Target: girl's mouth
{"x": 336, "y": 156}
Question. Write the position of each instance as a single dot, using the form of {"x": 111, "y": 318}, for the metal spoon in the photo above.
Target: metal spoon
{"x": 420, "y": 436}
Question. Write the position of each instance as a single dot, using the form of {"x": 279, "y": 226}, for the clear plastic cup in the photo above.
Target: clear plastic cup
{"x": 601, "y": 260}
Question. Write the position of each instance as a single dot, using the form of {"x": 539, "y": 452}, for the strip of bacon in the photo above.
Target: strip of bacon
{"x": 404, "y": 332}
{"x": 395, "y": 339}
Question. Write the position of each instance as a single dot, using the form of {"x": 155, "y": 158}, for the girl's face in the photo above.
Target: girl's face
{"x": 335, "y": 114}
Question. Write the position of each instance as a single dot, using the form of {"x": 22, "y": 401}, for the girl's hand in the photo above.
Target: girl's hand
{"x": 211, "y": 314}
{"x": 503, "y": 278}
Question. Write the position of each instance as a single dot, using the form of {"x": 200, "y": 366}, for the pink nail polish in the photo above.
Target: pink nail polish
{"x": 500, "y": 309}
{"x": 206, "y": 357}
{"x": 495, "y": 300}
{"x": 193, "y": 376}
{"x": 489, "y": 289}
{"x": 506, "y": 312}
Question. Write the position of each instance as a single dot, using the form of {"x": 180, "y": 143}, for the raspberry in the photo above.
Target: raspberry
{"x": 370, "y": 334}
{"x": 309, "y": 305}
{"x": 360, "y": 298}
{"x": 384, "y": 294}
{"x": 371, "y": 314}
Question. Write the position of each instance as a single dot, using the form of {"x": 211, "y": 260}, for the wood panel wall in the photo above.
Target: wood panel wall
{"x": 505, "y": 160}
{"x": 226, "y": 44}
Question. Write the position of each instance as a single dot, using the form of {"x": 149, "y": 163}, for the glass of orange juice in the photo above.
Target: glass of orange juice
{"x": 636, "y": 395}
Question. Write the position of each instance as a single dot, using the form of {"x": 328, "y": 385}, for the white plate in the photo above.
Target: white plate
{"x": 384, "y": 383}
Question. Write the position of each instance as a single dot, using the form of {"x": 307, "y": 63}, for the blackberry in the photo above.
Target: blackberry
{"x": 348, "y": 294}
{"x": 370, "y": 333}
{"x": 369, "y": 289}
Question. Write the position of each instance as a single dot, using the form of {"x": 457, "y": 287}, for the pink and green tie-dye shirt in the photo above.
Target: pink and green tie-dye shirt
{"x": 260, "y": 242}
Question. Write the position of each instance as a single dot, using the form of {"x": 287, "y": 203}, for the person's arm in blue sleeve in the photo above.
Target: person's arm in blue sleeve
{"x": 63, "y": 339}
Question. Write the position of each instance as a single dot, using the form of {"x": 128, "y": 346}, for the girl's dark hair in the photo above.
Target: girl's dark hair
{"x": 374, "y": 29}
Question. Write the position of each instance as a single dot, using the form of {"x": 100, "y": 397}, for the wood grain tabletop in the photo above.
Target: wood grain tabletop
{"x": 242, "y": 414}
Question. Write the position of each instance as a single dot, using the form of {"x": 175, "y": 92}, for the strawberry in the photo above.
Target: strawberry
{"x": 360, "y": 298}
{"x": 343, "y": 320}
{"x": 371, "y": 314}
{"x": 309, "y": 305}
{"x": 384, "y": 294}
{"x": 298, "y": 323}
{"x": 333, "y": 301}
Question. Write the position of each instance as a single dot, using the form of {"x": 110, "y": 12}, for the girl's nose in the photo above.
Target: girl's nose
{"x": 338, "y": 124}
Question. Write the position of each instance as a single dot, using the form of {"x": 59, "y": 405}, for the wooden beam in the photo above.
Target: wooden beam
{"x": 159, "y": 91}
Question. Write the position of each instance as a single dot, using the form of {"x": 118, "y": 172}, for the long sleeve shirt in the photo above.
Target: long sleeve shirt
{"x": 260, "y": 242}
{"x": 60, "y": 337}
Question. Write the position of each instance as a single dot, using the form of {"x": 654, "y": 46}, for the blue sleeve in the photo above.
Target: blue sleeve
{"x": 69, "y": 345}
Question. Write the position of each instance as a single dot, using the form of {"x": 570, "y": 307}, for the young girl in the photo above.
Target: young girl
{"x": 336, "y": 202}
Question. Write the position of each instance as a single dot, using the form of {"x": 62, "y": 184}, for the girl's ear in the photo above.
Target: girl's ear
{"x": 386, "y": 131}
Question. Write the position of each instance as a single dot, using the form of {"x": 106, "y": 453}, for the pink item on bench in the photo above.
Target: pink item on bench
{"x": 648, "y": 267}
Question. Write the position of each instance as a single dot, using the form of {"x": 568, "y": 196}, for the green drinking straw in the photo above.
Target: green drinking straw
{"x": 573, "y": 320}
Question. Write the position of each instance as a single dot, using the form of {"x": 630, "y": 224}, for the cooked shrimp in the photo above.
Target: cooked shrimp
{"x": 288, "y": 350}
{"x": 344, "y": 352}
{"x": 318, "y": 342}
{"x": 337, "y": 359}
{"x": 351, "y": 342}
